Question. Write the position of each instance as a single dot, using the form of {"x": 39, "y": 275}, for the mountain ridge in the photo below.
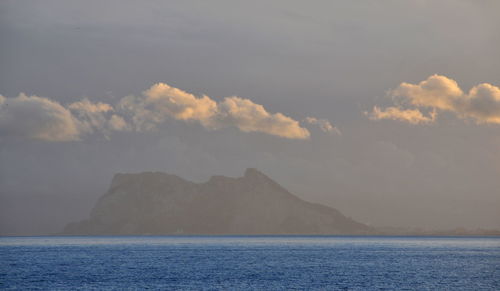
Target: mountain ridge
{"x": 161, "y": 203}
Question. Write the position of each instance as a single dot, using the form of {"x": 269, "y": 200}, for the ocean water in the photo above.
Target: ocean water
{"x": 249, "y": 263}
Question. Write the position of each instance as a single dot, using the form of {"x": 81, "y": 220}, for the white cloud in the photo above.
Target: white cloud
{"x": 440, "y": 93}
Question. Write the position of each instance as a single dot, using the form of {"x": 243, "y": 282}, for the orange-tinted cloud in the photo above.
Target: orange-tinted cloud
{"x": 162, "y": 101}
{"x": 45, "y": 119}
{"x": 413, "y": 116}
{"x": 439, "y": 93}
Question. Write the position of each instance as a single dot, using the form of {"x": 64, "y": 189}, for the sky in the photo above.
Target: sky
{"x": 388, "y": 111}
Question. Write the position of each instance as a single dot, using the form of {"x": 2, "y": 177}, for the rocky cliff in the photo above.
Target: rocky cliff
{"x": 159, "y": 203}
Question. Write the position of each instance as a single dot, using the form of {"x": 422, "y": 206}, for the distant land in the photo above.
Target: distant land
{"x": 155, "y": 203}
{"x": 415, "y": 231}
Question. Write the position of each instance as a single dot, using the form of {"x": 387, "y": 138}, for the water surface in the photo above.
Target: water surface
{"x": 250, "y": 263}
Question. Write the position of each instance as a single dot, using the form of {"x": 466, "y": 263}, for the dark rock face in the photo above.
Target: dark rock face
{"x": 159, "y": 203}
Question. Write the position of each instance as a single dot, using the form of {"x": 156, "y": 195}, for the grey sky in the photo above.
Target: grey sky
{"x": 332, "y": 60}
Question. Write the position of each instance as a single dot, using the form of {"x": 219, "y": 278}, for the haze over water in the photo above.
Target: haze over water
{"x": 388, "y": 111}
{"x": 250, "y": 263}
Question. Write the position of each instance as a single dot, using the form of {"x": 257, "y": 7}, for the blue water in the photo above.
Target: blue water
{"x": 250, "y": 263}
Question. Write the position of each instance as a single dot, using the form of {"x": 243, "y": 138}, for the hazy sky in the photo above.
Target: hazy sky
{"x": 386, "y": 110}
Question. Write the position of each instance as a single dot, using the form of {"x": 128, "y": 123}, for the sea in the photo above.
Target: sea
{"x": 249, "y": 263}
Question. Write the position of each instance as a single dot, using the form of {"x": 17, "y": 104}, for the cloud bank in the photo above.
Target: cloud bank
{"x": 45, "y": 119}
{"x": 38, "y": 118}
{"x": 161, "y": 101}
{"x": 97, "y": 117}
{"x": 422, "y": 102}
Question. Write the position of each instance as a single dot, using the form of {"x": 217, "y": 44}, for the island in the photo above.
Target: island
{"x": 155, "y": 203}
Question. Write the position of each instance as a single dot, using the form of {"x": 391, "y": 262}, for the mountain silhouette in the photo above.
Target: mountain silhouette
{"x": 157, "y": 203}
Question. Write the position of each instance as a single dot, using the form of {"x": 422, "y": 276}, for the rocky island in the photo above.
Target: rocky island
{"x": 154, "y": 203}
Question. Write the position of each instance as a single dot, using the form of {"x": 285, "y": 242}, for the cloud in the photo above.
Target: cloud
{"x": 439, "y": 93}
{"x": 141, "y": 119}
{"x": 324, "y": 125}
{"x": 250, "y": 117}
{"x": 97, "y": 117}
{"x": 117, "y": 123}
{"x": 162, "y": 101}
{"x": 413, "y": 116}
{"x": 45, "y": 119}
{"x": 38, "y": 118}
{"x": 165, "y": 100}
{"x": 482, "y": 104}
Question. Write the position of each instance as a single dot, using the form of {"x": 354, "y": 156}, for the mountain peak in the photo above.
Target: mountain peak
{"x": 254, "y": 173}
